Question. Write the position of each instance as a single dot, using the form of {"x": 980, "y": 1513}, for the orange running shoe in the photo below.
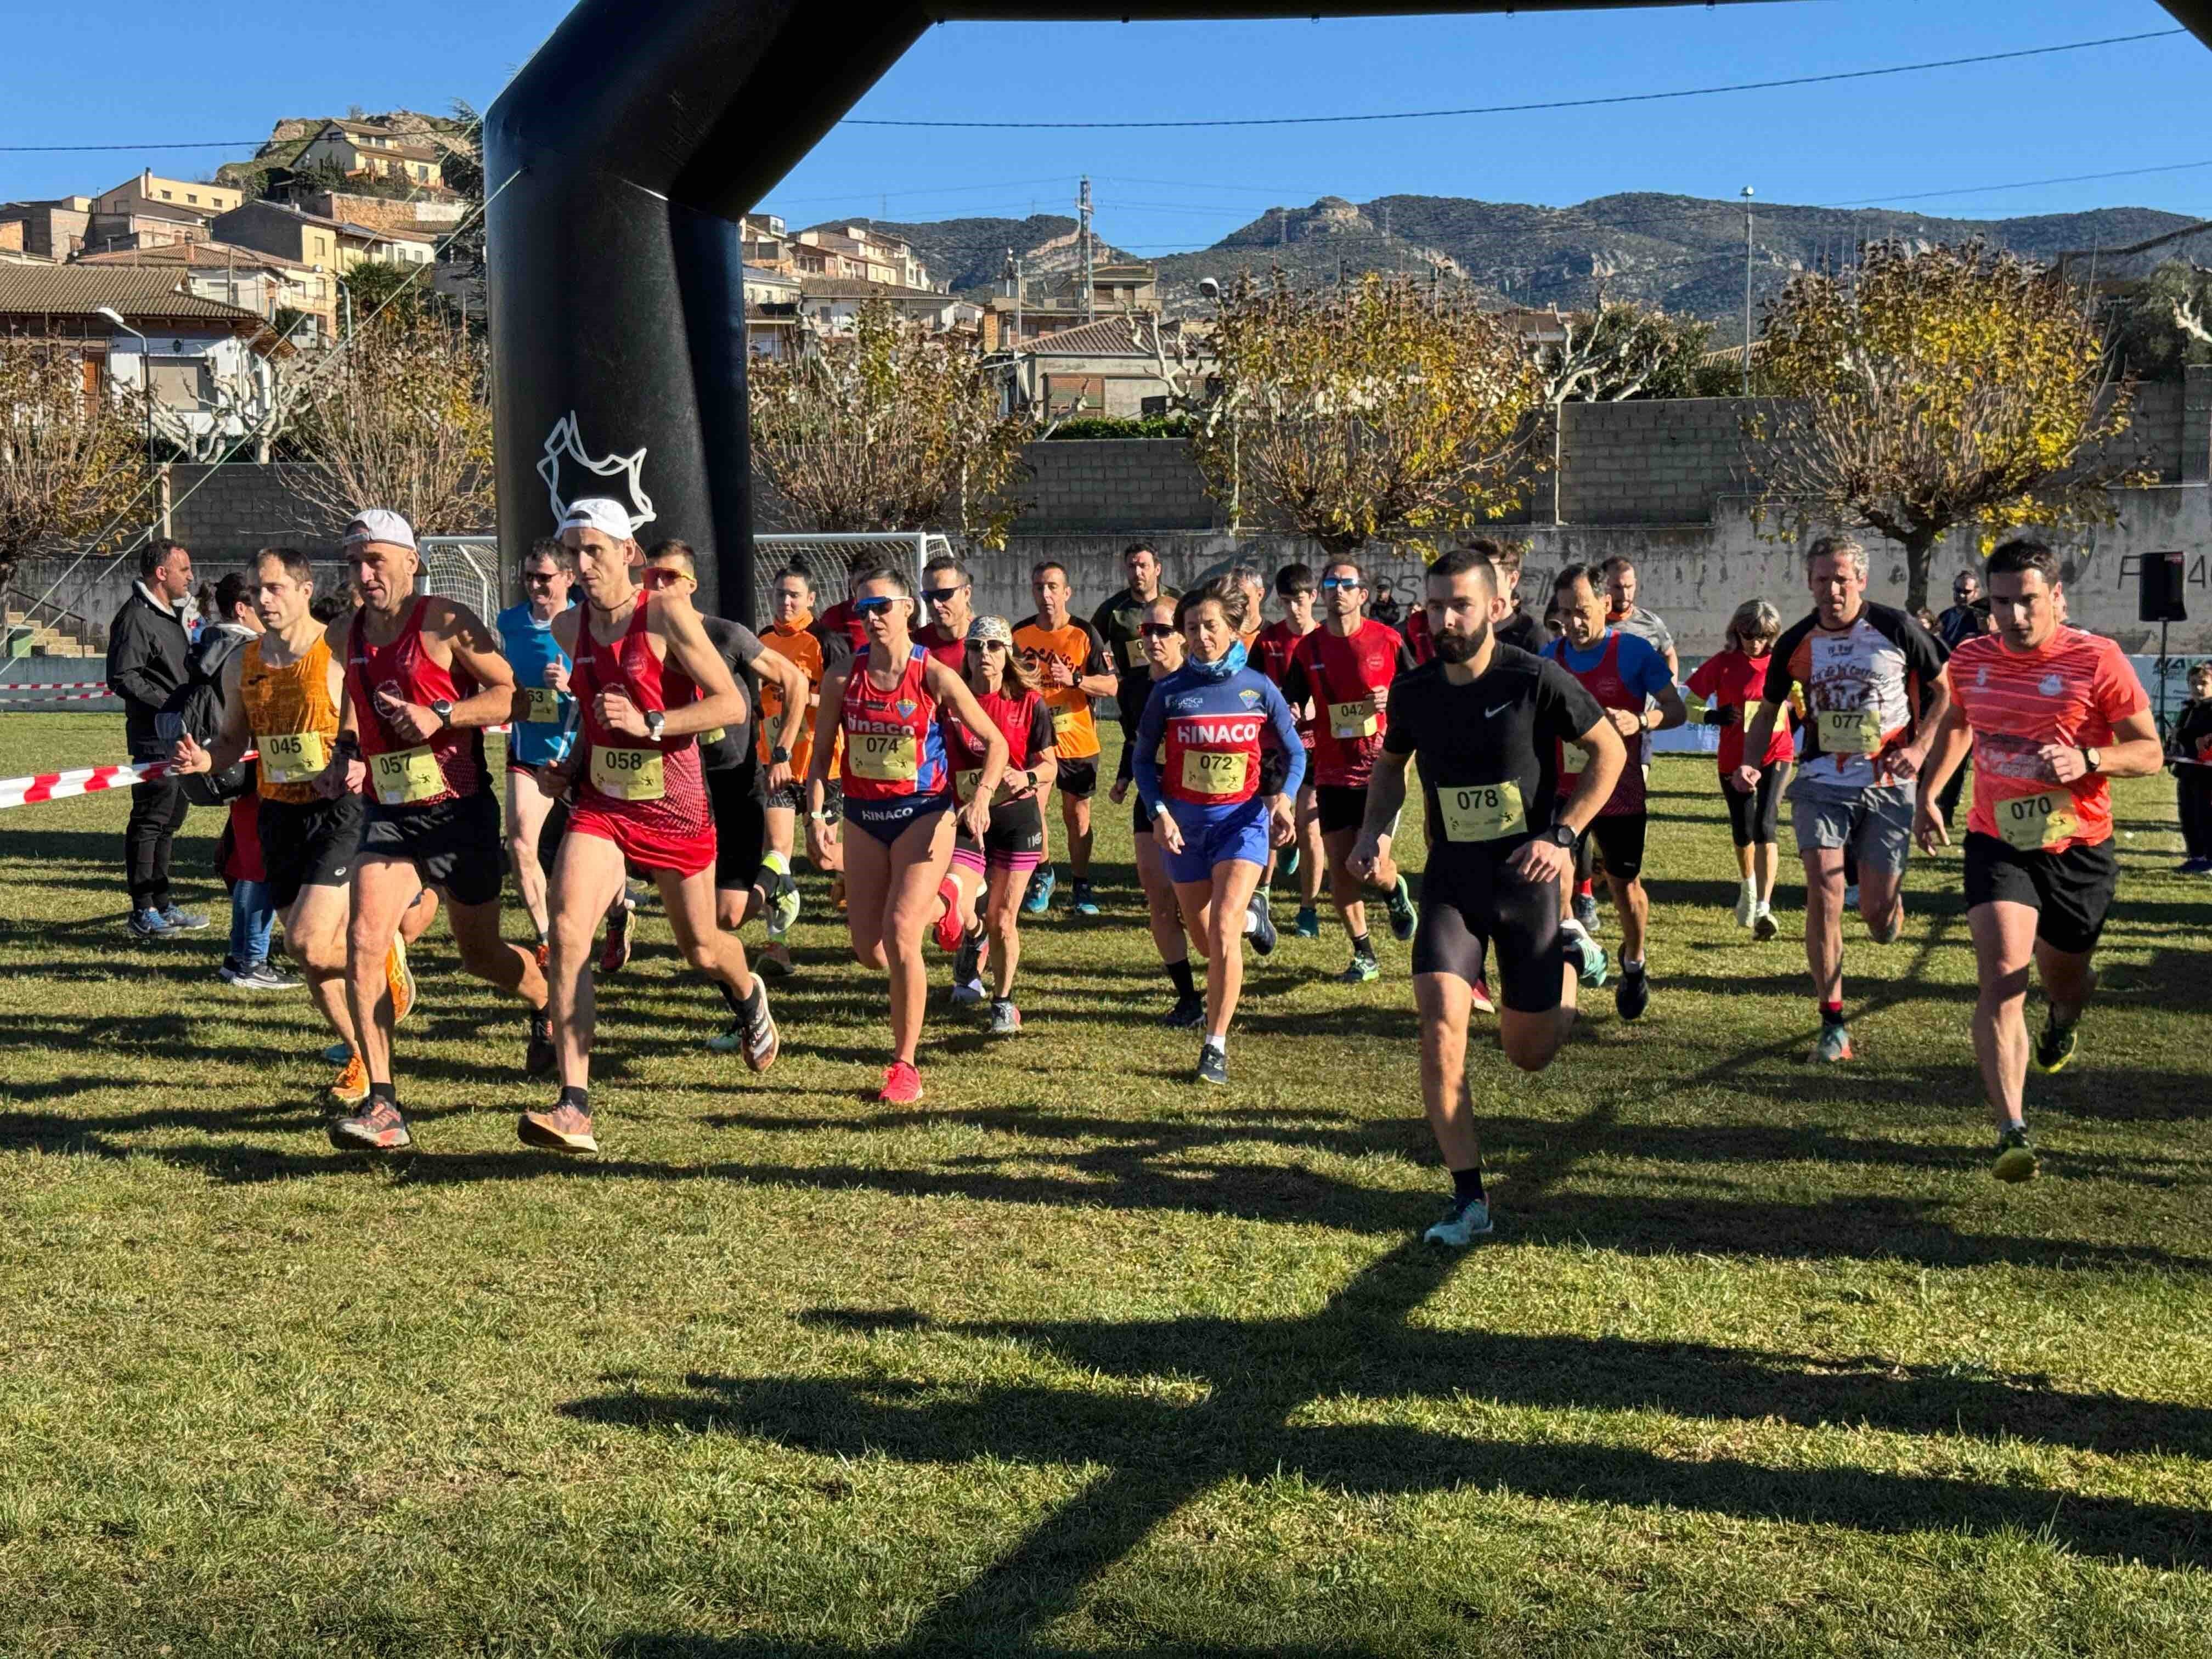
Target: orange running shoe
{"x": 400, "y": 979}
{"x": 558, "y": 1128}
{"x": 545, "y": 955}
{"x": 381, "y": 1128}
{"x": 351, "y": 1086}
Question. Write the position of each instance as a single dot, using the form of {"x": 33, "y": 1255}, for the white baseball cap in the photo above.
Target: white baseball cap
{"x": 380, "y": 524}
{"x": 598, "y": 513}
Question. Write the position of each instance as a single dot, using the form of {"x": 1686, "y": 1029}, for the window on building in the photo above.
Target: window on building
{"x": 182, "y": 382}
{"x": 167, "y": 196}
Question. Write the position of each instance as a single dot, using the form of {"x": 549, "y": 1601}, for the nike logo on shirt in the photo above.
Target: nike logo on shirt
{"x": 1492, "y": 714}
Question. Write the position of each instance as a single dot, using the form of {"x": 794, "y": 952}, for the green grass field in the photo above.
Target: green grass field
{"x": 1075, "y": 1357}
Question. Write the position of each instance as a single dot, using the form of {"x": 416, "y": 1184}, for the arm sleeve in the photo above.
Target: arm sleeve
{"x": 1294, "y": 684}
{"x": 1287, "y": 733}
{"x": 1565, "y": 707}
{"x": 1144, "y": 768}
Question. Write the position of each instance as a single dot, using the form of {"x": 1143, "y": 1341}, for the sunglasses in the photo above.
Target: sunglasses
{"x": 653, "y": 579}
{"x": 988, "y": 645}
{"x": 875, "y": 606}
{"x": 541, "y": 578}
{"x": 1157, "y": 630}
{"x": 942, "y": 595}
{"x": 1341, "y": 581}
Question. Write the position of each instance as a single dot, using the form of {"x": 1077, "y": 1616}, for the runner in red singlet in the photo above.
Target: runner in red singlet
{"x": 646, "y": 681}
{"x": 898, "y": 799}
{"x": 1295, "y": 587}
{"x": 2052, "y": 713}
{"x": 423, "y": 678}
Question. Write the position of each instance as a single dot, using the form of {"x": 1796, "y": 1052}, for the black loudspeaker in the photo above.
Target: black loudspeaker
{"x": 2159, "y": 597}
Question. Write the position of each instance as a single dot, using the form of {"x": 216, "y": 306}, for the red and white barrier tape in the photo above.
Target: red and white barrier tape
{"x": 90, "y": 780}
{"x": 66, "y": 696}
{"x": 54, "y": 685}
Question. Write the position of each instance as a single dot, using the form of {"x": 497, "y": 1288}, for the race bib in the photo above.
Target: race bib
{"x": 627, "y": 774}
{"x": 1572, "y": 759}
{"x": 884, "y": 756}
{"x": 293, "y": 757}
{"x": 1482, "y": 811}
{"x": 543, "y": 706}
{"x": 771, "y": 728}
{"x": 2032, "y": 822}
{"x": 400, "y": 777}
{"x": 1065, "y": 720}
{"x": 1850, "y": 730}
{"x": 1348, "y": 721}
{"x": 1209, "y": 772}
{"x": 714, "y": 736}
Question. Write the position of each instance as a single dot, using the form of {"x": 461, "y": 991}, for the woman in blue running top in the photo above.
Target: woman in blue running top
{"x": 1198, "y": 773}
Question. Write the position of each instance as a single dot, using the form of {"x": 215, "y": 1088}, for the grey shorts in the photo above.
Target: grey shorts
{"x": 1876, "y": 824}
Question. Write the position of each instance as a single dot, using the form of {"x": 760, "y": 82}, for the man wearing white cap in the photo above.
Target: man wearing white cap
{"x": 423, "y": 678}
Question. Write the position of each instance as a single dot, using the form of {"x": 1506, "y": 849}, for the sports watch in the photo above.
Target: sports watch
{"x": 443, "y": 709}
{"x": 655, "y": 720}
{"x": 1561, "y": 834}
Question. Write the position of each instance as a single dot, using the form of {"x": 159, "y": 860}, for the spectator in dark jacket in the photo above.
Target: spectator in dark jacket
{"x": 2188, "y": 751}
{"x": 146, "y": 655}
{"x": 1959, "y": 624}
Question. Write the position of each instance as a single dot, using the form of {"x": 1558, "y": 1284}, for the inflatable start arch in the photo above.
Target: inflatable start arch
{"x": 622, "y": 156}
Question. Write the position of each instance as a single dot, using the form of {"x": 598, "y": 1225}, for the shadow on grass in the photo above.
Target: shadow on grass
{"x": 1264, "y": 1375}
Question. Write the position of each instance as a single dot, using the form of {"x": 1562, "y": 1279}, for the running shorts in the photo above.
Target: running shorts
{"x": 455, "y": 844}
{"x": 1012, "y": 840}
{"x": 1076, "y": 778}
{"x": 2069, "y": 891}
{"x": 1340, "y": 807}
{"x": 886, "y": 820}
{"x": 1469, "y": 906}
{"x": 733, "y": 796}
{"x": 1755, "y": 814}
{"x": 1875, "y": 825}
{"x": 1619, "y": 842}
{"x": 1241, "y": 832}
{"x": 309, "y": 844}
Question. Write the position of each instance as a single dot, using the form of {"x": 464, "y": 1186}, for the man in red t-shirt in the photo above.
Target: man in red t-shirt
{"x": 1271, "y": 654}
{"x": 2052, "y": 713}
{"x": 1344, "y": 668}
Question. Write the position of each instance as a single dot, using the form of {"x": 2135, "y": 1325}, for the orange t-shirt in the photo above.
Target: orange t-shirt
{"x": 804, "y": 648}
{"x": 291, "y": 717}
{"x": 1076, "y": 644}
{"x": 2071, "y": 692}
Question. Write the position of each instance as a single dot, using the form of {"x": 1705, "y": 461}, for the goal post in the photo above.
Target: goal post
{"x": 464, "y": 569}
{"x": 829, "y": 559}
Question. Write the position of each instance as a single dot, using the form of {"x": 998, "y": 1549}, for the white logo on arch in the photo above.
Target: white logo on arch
{"x": 565, "y": 442}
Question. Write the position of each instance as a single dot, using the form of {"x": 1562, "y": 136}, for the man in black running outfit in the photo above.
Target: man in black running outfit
{"x": 1486, "y": 720}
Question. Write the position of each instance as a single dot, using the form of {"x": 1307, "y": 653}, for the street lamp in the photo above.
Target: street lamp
{"x": 1747, "y": 290}
{"x": 146, "y": 390}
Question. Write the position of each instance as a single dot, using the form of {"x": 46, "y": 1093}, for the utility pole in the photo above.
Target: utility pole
{"x": 1747, "y": 290}
{"x": 1083, "y": 214}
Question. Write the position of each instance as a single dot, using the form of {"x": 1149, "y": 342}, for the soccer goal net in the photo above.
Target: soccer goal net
{"x": 464, "y": 569}
{"x": 829, "y": 559}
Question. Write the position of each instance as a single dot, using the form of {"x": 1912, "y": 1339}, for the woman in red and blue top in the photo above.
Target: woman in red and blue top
{"x": 1203, "y": 722}
{"x": 1733, "y": 684}
{"x": 885, "y": 705}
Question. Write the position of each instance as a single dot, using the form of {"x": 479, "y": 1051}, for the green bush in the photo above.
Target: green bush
{"x": 1125, "y": 426}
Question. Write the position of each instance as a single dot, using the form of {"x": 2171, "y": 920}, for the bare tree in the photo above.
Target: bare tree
{"x": 70, "y": 459}
{"x": 1604, "y": 356}
{"x": 400, "y": 419}
{"x": 892, "y": 426}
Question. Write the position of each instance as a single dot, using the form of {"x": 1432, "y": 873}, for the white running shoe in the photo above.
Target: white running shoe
{"x": 1746, "y": 905}
{"x": 1462, "y": 1224}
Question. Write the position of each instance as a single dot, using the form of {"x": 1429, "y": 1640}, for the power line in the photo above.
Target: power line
{"x": 1522, "y": 109}
{"x": 197, "y": 143}
{"x": 2024, "y": 184}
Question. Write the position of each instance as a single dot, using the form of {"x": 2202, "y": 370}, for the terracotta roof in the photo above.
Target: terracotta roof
{"x": 1108, "y": 337}
{"x": 212, "y": 256}
{"x": 80, "y": 290}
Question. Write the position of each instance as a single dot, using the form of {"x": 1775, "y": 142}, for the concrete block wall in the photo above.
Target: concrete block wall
{"x": 1110, "y": 485}
{"x": 226, "y": 513}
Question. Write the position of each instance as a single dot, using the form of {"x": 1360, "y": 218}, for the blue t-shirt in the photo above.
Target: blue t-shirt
{"x": 1639, "y": 664}
{"x": 530, "y": 646}
{"x": 1208, "y": 732}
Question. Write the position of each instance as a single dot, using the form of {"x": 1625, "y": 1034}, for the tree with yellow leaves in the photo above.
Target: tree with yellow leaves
{"x": 1373, "y": 412}
{"x": 1938, "y": 387}
{"x": 71, "y": 460}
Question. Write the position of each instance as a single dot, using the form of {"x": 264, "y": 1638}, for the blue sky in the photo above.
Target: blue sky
{"x": 223, "y": 71}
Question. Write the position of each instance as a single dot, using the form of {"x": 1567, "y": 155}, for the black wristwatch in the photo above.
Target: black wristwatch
{"x": 443, "y": 710}
{"x": 1560, "y": 835}
{"x": 655, "y": 720}
{"x": 779, "y": 756}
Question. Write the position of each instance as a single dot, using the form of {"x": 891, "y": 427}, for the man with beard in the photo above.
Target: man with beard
{"x": 1487, "y": 721}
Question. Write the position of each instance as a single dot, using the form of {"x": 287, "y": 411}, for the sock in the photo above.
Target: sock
{"x": 1586, "y": 889}
{"x": 1219, "y": 1044}
{"x": 1635, "y": 967}
{"x": 1180, "y": 973}
{"x": 1467, "y": 1184}
{"x": 1832, "y": 1013}
{"x": 1361, "y": 946}
{"x": 571, "y": 1095}
{"x": 729, "y": 995}
{"x": 1252, "y": 918}
{"x": 386, "y": 1092}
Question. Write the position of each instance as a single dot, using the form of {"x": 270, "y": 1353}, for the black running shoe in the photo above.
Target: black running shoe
{"x": 1187, "y": 1012}
{"x": 537, "y": 1061}
{"x": 1633, "y": 994}
{"x": 1263, "y": 933}
{"x": 1213, "y": 1065}
{"x": 1402, "y": 917}
{"x": 2055, "y": 1048}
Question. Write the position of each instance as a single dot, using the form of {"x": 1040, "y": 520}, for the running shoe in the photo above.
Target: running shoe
{"x": 1464, "y": 1221}
{"x": 538, "y": 1058}
{"x": 1833, "y": 1045}
{"x": 1479, "y": 996}
{"x": 1289, "y": 866}
{"x": 1005, "y": 1019}
{"x": 2055, "y": 1048}
{"x": 183, "y": 921}
{"x": 1084, "y": 905}
{"x": 558, "y": 1128}
{"x": 1851, "y": 897}
{"x": 614, "y": 955}
{"x": 544, "y": 954}
{"x": 379, "y": 1129}
{"x": 399, "y": 980}
{"x": 757, "y": 1039}
{"x": 350, "y": 1087}
{"x": 2194, "y": 867}
{"x": 1589, "y": 957}
{"x": 1586, "y": 912}
{"x": 1633, "y": 994}
{"x": 837, "y": 891}
{"x": 783, "y": 905}
{"x": 1213, "y": 1065}
{"x": 1361, "y": 970}
{"x": 775, "y": 959}
{"x": 1763, "y": 926}
{"x": 1187, "y": 1012}
{"x": 1401, "y": 904}
{"x": 1746, "y": 905}
{"x": 951, "y": 927}
{"x": 1307, "y": 925}
{"x": 1038, "y": 899}
{"x": 968, "y": 992}
{"x": 338, "y": 1053}
{"x": 150, "y": 924}
{"x": 1262, "y": 926}
{"x": 968, "y": 965}
{"x": 258, "y": 976}
{"x": 2016, "y": 1159}
{"x": 902, "y": 1084}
